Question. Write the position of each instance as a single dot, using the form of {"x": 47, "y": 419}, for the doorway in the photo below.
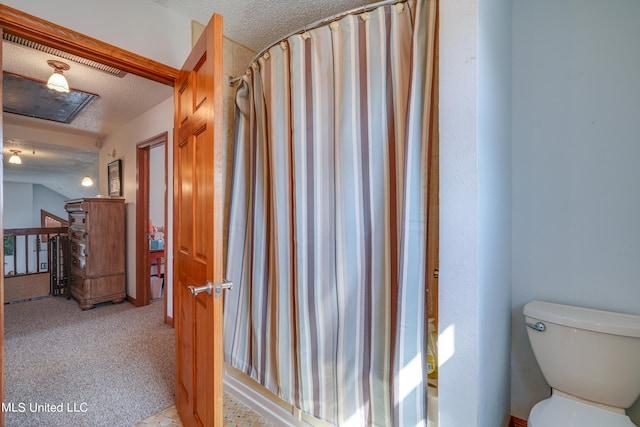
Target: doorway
{"x": 151, "y": 212}
{"x": 31, "y": 28}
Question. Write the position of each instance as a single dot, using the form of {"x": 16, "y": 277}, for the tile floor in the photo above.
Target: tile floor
{"x": 236, "y": 414}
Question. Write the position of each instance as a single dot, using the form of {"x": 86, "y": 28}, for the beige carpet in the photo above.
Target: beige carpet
{"x": 109, "y": 366}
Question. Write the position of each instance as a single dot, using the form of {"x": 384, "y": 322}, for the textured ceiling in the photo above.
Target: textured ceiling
{"x": 112, "y": 109}
{"x": 62, "y": 168}
{"x": 259, "y": 23}
{"x": 54, "y": 166}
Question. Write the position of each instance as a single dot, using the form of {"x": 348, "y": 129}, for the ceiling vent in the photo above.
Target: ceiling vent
{"x": 80, "y": 60}
{"x": 32, "y": 98}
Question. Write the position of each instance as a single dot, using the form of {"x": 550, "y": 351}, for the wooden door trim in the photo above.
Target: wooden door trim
{"x": 38, "y": 30}
{"x": 142, "y": 225}
{"x": 143, "y": 149}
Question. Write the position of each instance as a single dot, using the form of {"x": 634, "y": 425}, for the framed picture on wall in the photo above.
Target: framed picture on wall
{"x": 114, "y": 172}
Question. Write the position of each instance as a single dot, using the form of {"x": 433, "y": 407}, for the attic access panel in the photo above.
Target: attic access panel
{"x": 31, "y": 98}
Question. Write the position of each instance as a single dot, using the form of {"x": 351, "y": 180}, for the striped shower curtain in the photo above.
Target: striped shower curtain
{"x": 327, "y": 231}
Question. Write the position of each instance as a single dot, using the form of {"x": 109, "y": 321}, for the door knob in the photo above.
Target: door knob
{"x": 208, "y": 287}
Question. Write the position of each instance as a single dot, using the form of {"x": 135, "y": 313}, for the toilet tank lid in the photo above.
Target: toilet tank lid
{"x": 585, "y": 318}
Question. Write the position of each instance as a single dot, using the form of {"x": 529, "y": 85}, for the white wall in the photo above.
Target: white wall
{"x": 475, "y": 213}
{"x": 458, "y": 299}
{"x": 576, "y": 169}
{"x": 154, "y": 122}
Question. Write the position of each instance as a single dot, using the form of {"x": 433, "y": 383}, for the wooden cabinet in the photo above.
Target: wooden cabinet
{"x": 97, "y": 254}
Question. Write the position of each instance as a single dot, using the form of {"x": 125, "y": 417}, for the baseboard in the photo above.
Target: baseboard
{"x": 517, "y": 422}
{"x": 133, "y": 301}
{"x": 168, "y": 320}
{"x": 264, "y": 403}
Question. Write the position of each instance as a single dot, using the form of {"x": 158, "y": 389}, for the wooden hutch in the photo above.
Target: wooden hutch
{"x": 97, "y": 250}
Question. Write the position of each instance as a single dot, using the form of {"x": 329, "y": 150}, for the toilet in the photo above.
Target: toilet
{"x": 591, "y": 360}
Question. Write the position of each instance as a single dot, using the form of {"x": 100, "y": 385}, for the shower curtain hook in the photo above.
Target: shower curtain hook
{"x": 365, "y": 13}
{"x": 305, "y": 34}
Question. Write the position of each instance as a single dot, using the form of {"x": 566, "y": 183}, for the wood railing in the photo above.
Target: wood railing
{"x": 26, "y": 250}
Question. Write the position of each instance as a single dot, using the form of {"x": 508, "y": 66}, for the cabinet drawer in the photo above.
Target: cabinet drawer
{"x": 77, "y": 220}
{"x": 78, "y": 248}
{"x": 77, "y": 236}
{"x": 73, "y": 206}
{"x": 76, "y": 280}
{"x": 79, "y": 262}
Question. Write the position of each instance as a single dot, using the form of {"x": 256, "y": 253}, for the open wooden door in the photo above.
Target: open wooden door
{"x": 198, "y": 227}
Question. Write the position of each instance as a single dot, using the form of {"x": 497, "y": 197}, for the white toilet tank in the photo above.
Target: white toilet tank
{"x": 591, "y": 354}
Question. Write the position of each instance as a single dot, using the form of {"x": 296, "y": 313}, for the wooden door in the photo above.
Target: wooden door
{"x": 198, "y": 219}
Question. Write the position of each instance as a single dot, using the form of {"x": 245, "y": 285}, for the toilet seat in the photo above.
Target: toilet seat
{"x": 560, "y": 411}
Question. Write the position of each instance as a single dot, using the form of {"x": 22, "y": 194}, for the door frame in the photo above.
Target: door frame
{"x": 29, "y": 27}
{"x": 143, "y": 168}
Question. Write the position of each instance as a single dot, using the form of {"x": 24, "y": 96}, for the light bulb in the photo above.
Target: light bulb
{"x": 87, "y": 181}
{"x": 15, "y": 159}
{"x": 58, "y": 82}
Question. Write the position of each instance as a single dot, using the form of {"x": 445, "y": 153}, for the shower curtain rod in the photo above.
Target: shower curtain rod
{"x": 316, "y": 24}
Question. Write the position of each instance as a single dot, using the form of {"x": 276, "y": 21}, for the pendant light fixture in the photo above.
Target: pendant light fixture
{"x": 15, "y": 158}
{"x": 57, "y": 81}
{"x": 87, "y": 181}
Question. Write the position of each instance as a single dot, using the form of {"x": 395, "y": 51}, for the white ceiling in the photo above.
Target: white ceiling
{"x": 50, "y": 161}
{"x": 253, "y": 23}
{"x": 120, "y": 99}
{"x": 258, "y": 23}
